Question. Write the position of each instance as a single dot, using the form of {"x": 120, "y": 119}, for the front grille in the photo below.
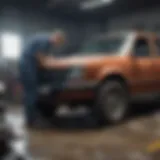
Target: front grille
{"x": 56, "y": 77}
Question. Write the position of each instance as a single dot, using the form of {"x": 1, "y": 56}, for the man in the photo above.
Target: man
{"x": 35, "y": 55}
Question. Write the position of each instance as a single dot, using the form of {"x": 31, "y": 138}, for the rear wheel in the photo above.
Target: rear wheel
{"x": 112, "y": 102}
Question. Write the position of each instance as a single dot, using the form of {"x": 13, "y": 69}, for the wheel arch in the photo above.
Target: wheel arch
{"x": 115, "y": 76}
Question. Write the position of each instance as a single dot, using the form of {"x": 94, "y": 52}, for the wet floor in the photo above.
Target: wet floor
{"x": 79, "y": 137}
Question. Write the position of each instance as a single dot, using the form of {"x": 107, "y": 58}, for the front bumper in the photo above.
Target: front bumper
{"x": 72, "y": 85}
{"x": 72, "y": 90}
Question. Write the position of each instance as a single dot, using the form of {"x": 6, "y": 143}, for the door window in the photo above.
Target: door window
{"x": 158, "y": 46}
{"x": 141, "y": 48}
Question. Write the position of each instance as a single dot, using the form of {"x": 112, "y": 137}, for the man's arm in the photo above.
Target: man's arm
{"x": 49, "y": 62}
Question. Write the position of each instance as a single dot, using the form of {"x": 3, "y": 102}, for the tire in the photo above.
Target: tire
{"x": 112, "y": 102}
{"x": 47, "y": 110}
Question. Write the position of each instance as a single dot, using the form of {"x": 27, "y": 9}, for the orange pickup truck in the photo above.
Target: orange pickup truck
{"x": 109, "y": 72}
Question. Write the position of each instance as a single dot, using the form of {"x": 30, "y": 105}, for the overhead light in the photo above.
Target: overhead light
{"x": 95, "y": 3}
{"x": 106, "y": 1}
{"x": 10, "y": 45}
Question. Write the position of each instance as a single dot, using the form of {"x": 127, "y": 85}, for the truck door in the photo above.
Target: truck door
{"x": 156, "y": 62}
{"x": 143, "y": 65}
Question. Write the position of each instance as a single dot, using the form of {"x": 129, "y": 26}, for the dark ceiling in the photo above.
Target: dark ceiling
{"x": 72, "y": 9}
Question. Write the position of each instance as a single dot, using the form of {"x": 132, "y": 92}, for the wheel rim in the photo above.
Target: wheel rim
{"x": 115, "y": 105}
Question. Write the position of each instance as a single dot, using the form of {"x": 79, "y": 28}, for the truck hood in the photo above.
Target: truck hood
{"x": 87, "y": 60}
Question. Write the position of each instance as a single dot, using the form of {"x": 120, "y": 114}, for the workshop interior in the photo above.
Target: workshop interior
{"x": 80, "y": 80}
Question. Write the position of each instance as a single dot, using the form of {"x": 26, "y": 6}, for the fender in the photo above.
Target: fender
{"x": 107, "y": 71}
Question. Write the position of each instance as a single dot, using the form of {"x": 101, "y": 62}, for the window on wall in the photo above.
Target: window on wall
{"x": 10, "y": 45}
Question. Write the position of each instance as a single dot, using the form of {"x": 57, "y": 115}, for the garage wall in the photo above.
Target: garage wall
{"x": 27, "y": 24}
{"x": 149, "y": 18}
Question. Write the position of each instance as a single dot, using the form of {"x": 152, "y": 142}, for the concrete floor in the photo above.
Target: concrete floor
{"x": 138, "y": 138}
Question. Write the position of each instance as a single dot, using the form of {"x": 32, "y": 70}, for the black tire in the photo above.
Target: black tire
{"x": 112, "y": 102}
{"x": 47, "y": 110}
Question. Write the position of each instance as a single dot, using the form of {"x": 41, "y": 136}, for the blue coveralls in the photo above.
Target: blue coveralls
{"x": 28, "y": 73}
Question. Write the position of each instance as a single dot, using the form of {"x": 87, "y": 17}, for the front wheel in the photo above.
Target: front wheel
{"x": 47, "y": 110}
{"x": 112, "y": 102}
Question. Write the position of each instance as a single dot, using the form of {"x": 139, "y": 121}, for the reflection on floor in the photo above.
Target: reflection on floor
{"x": 129, "y": 141}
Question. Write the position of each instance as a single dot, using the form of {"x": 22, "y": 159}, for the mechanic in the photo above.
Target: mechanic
{"x": 35, "y": 54}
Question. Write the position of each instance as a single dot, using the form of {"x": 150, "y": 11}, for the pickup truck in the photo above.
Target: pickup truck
{"x": 107, "y": 73}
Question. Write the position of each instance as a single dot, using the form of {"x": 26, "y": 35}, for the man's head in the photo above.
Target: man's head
{"x": 58, "y": 38}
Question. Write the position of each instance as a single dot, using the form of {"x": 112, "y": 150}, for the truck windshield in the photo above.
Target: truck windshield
{"x": 107, "y": 46}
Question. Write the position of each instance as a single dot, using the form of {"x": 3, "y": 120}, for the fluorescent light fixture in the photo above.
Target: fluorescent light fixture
{"x": 95, "y": 3}
{"x": 10, "y": 45}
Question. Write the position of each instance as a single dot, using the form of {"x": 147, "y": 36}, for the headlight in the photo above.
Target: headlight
{"x": 76, "y": 72}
